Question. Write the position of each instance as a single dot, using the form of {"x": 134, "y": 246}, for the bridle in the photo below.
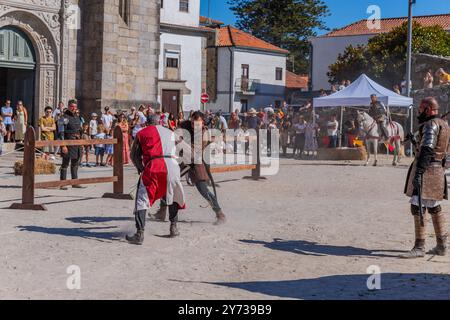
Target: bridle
{"x": 371, "y": 127}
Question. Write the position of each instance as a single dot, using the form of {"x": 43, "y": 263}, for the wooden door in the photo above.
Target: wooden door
{"x": 171, "y": 101}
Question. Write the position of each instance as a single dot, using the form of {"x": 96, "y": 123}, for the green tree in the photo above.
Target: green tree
{"x": 284, "y": 23}
{"x": 384, "y": 57}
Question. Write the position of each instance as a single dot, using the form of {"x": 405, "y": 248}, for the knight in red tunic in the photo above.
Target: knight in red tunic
{"x": 153, "y": 154}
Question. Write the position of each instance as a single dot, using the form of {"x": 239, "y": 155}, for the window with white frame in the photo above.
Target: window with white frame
{"x": 184, "y": 5}
{"x": 172, "y": 59}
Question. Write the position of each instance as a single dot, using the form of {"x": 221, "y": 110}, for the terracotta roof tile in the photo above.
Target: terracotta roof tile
{"x": 296, "y": 81}
{"x": 231, "y": 37}
{"x": 206, "y": 20}
{"x": 360, "y": 27}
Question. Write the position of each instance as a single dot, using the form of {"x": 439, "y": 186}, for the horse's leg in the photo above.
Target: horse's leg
{"x": 368, "y": 151}
{"x": 396, "y": 152}
{"x": 375, "y": 150}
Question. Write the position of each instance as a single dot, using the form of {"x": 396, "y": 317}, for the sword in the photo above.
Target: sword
{"x": 422, "y": 220}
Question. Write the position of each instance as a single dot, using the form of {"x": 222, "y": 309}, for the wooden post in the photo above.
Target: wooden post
{"x": 256, "y": 172}
{"x": 29, "y": 156}
{"x": 118, "y": 187}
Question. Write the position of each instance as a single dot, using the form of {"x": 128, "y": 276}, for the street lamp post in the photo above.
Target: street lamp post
{"x": 409, "y": 63}
{"x": 409, "y": 57}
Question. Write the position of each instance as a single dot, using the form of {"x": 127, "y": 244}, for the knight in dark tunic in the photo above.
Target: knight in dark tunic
{"x": 71, "y": 155}
{"x": 379, "y": 113}
{"x": 198, "y": 172}
{"x": 427, "y": 176}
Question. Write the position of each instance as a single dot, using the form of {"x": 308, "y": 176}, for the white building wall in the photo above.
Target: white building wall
{"x": 262, "y": 66}
{"x": 170, "y": 13}
{"x": 325, "y": 53}
{"x": 190, "y": 66}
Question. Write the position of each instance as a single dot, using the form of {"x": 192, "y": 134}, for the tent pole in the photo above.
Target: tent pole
{"x": 341, "y": 127}
{"x": 412, "y": 131}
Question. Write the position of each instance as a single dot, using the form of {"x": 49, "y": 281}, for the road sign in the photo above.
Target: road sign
{"x": 205, "y": 98}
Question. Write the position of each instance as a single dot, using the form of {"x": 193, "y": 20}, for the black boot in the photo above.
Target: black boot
{"x": 74, "y": 175}
{"x": 137, "y": 239}
{"x": 63, "y": 176}
{"x": 174, "y": 230}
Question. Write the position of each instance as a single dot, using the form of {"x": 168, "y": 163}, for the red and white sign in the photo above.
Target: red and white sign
{"x": 205, "y": 98}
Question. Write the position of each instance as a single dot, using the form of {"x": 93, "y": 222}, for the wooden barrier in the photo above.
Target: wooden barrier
{"x": 28, "y": 178}
{"x": 255, "y": 168}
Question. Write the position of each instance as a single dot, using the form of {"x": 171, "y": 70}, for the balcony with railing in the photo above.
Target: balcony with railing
{"x": 246, "y": 86}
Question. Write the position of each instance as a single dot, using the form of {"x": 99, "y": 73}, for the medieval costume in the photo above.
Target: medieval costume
{"x": 72, "y": 131}
{"x": 380, "y": 113}
{"x": 199, "y": 175}
{"x": 285, "y": 127}
{"x": 426, "y": 183}
{"x": 153, "y": 154}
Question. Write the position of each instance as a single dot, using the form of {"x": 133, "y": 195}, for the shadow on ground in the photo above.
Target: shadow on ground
{"x": 309, "y": 248}
{"x": 86, "y": 233}
{"x": 394, "y": 286}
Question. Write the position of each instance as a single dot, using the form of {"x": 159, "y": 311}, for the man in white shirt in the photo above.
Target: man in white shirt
{"x": 332, "y": 130}
{"x": 58, "y": 111}
{"x": 107, "y": 119}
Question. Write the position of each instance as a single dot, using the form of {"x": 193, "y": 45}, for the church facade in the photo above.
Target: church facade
{"x": 101, "y": 52}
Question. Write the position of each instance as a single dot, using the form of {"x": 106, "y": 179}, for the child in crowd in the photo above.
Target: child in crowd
{"x": 2, "y": 134}
{"x": 100, "y": 148}
{"x": 93, "y": 124}
{"x": 109, "y": 148}
{"x": 87, "y": 148}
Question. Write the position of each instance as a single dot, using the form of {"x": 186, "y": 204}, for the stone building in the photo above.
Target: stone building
{"x": 101, "y": 52}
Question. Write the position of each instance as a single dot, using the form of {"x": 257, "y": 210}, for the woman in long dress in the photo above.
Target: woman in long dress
{"x": 123, "y": 124}
{"x": 21, "y": 121}
{"x": 299, "y": 145}
{"x": 311, "y": 131}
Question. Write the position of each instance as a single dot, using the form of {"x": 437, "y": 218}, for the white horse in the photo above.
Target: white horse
{"x": 373, "y": 136}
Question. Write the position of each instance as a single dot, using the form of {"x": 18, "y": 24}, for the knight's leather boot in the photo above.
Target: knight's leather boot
{"x": 221, "y": 218}
{"x": 174, "y": 230}
{"x": 137, "y": 239}
{"x": 441, "y": 235}
{"x": 419, "y": 247}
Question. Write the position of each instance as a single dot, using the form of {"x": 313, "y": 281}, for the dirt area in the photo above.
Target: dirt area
{"x": 310, "y": 232}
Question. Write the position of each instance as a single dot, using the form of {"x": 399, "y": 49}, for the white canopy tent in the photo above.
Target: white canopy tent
{"x": 358, "y": 94}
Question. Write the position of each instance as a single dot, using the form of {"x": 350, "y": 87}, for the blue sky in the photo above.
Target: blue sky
{"x": 344, "y": 12}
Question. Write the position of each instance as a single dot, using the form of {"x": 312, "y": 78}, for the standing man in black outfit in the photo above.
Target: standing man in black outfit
{"x": 71, "y": 154}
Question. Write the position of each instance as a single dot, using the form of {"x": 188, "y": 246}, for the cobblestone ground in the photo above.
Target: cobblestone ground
{"x": 310, "y": 232}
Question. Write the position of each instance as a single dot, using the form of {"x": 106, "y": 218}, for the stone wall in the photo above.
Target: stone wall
{"x": 421, "y": 63}
{"x": 130, "y": 54}
{"x": 441, "y": 93}
{"x": 120, "y": 60}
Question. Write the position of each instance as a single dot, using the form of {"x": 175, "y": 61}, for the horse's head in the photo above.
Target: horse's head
{"x": 360, "y": 117}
